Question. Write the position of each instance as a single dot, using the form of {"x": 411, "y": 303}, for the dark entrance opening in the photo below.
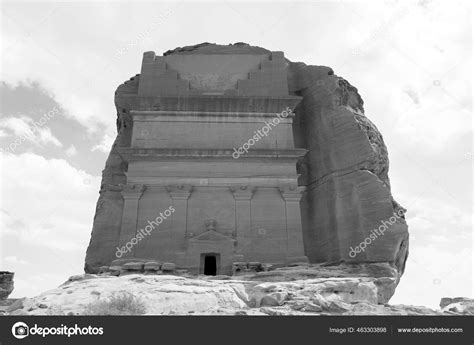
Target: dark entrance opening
{"x": 210, "y": 265}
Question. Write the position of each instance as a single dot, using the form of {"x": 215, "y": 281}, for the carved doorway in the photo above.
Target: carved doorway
{"x": 210, "y": 264}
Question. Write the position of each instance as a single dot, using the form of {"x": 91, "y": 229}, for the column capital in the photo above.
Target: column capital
{"x": 242, "y": 192}
{"x": 132, "y": 191}
{"x": 291, "y": 192}
{"x": 180, "y": 192}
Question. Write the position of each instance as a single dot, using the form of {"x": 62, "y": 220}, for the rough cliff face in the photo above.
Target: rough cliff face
{"x": 346, "y": 174}
{"x": 348, "y": 212}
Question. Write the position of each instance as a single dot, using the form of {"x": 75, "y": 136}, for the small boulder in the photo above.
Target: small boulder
{"x": 445, "y": 301}
{"x": 168, "y": 267}
{"x": 464, "y": 306}
{"x": 115, "y": 270}
{"x": 255, "y": 266}
{"x": 152, "y": 266}
{"x": 133, "y": 266}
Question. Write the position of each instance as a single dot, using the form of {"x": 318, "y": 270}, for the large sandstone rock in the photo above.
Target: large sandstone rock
{"x": 6, "y": 284}
{"x": 345, "y": 171}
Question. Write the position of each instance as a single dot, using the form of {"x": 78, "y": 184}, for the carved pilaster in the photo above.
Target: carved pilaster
{"x": 243, "y": 225}
{"x": 179, "y": 221}
{"x": 131, "y": 196}
{"x": 292, "y": 196}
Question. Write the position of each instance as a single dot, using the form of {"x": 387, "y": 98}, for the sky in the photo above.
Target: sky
{"x": 62, "y": 61}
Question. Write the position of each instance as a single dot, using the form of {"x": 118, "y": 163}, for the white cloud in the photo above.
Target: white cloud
{"x": 51, "y": 200}
{"x": 447, "y": 273}
{"x": 47, "y": 137}
{"x": 414, "y": 78}
{"x": 82, "y": 80}
{"x": 427, "y": 214}
{"x": 13, "y": 260}
{"x": 18, "y": 125}
{"x": 440, "y": 254}
{"x": 47, "y": 211}
{"x": 24, "y": 128}
{"x": 71, "y": 151}
{"x": 433, "y": 121}
{"x": 105, "y": 144}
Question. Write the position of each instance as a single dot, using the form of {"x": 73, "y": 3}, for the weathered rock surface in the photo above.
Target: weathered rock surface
{"x": 459, "y": 305}
{"x": 299, "y": 290}
{"x": 6, "y": 284}
{"x": 345, "y": 171}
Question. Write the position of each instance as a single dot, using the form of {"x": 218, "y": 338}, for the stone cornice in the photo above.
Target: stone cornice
{"x": 150, "y": 154}
{"x": 155, "y": 113}
{"x": 212, "y": 103}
